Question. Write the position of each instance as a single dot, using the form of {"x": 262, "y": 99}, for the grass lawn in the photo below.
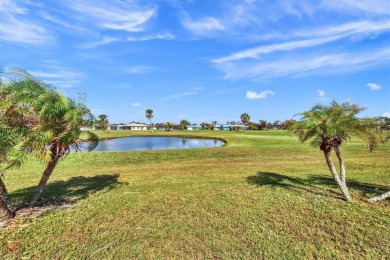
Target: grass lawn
{"x": 262, "y": 195}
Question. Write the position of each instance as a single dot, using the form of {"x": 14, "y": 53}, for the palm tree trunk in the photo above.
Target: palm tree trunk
{"x": 380, "y": 197}
{"x": 336, "y": 177}
{"x": 45, "y": 177}
{"x": 342, "y": 166}
{"x": 6, "y": 208}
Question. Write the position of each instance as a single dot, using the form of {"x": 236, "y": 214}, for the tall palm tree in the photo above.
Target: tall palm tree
{"x": 245, "y": 119}
{"x": 329, "y": 126}
{"x": 149, "y": 115}
{"x": 103, "y": 123}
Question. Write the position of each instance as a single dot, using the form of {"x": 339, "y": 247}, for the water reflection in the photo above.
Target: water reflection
{"x": 155, "y": 143}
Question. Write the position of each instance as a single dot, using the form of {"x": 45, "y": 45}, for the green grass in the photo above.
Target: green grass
{"x": 262, "y": 195}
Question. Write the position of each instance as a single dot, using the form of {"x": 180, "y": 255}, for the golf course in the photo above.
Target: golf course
{"x": 261, "y": 195}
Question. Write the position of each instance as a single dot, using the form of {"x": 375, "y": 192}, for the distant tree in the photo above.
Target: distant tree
{"x": 103, "y": 123}
{"x": 183, "y": 124}
{"x": 263, "y": 124}
{"x": 149, "y": 115}
{"x": 214, "y": 123}
{"x": 207, "y": 126}
{"x": 253, "y": 126}
{"x": 245, "y": 118}
{"x": 168, "y": 126}
{"x": 288, "y": 124}
{"x": 277, "y": 122}
{"x": 329, "y": 126}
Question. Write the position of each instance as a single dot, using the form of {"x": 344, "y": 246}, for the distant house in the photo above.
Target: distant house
{"x": 275, "y": 127}
{"x": 232, "y": 127}
{"x": 113, "y": 127}
{"x": 133, "y": 126}
{"x": 193, "y": 127}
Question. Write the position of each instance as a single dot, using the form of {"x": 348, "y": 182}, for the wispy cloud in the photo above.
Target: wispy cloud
{"x": 255, "y": 52}
{"x": 321, "y": 93}
{"x": 318, "y": 36}
{"x": 139, "y": 69}
{"x": 58, "y": 75}
{"x": 203, "y": 26}
{"x": 105, "y": 40}
{"x": 374, "y": 7}
{"x": 191, "y": 92}
{"x": 160, "y": 36}
{"x": 386, "y": 114}
{"x": 114, "y": 15}
{"x": 135, "y": 104}
{"x": 306, "y": 64}
{"x": 56, "y": 20}
{"x": 102, "y": 41}
{"x": 16, "y": 27}
{"x": 374, "y": 86}
{"x": 261, "y": 95}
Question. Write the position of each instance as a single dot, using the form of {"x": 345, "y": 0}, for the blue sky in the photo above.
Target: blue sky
{"x": 204, "y": 60}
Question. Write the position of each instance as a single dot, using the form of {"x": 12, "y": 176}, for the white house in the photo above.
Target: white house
{"x": 133, "y": 126}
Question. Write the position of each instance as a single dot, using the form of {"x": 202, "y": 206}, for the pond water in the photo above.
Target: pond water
{"x": 155, "y": 143}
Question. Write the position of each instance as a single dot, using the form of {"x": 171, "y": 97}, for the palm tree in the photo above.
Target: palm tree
{"x": 263, "y": 124}
{"x": 329, "y": 126}
{"x": 245, "y": 118}
{"x": 103, "y": 123}
{"x": 168, "y": 126}
{"x": 58, "y": 134}
{"x": 20, "y": 96}
{"x": 149, "y": 115}
{"x": 36, "y": 119}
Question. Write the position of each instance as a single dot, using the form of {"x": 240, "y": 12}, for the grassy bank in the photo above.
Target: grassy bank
{"x": 261, "y": 195}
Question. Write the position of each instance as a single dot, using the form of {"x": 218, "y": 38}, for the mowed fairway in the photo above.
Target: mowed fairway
{"x": 262, "y": 195}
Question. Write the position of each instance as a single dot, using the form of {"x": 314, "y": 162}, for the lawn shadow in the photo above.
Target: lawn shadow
{"x": 67, "y": 192}
{"x": 318, "y": 185}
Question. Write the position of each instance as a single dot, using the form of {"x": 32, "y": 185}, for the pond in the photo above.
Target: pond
{"x": 155, "y": 143}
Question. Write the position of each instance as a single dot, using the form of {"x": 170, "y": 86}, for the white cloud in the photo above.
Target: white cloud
{"x": 136, "y": 104}
{"x": 318, "y": 36}
{"x": 16, "y": 27}
{"x": 114, "y": 15}
{"x": 139, "y": 69}
{"x": 374, "y": 86}
{"x": 386, "y": 114}
{"x": 203, "y": 26}
{"x": 321, "y": 93}
{"x": 56, "y": 20}
{"x": 103, "y": 41}
{"x": 108, "y": 39}
{"x": 161, "y": 36}
{"x": 374, "y": 7}
{"x": 58, "y": 76}
{"x": 255, "y": 95}
{"x": 305, "y": 65}
{"x": 191, "y": 92}
{"x": 255, "y": 52}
